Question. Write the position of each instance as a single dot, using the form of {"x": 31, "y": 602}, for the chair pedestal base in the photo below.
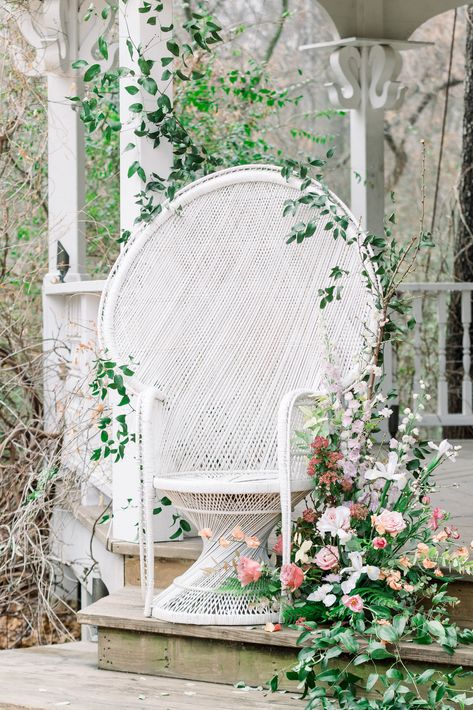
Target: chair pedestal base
{"x": 208, "y": 593}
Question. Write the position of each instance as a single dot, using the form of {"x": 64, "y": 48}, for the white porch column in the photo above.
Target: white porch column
{"x": 149, "y": 40}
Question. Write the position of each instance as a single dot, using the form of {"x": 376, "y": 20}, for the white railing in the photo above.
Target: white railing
{"x": 424, "y": 357}
{"x": 70, "y": 315}
{"x": 70, "y": 325}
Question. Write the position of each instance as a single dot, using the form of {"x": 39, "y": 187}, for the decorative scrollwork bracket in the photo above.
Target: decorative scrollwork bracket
{"x": 366, "y": 73}
{"x": 61, "y": 31}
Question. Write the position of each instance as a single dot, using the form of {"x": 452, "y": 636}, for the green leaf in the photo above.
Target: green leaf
{"x": 132, "y": 89}
{"x": 103, "y": 47}
{"x": 150, "y": 85}
{"x": 274, "y": 683}
{"x": 92, "y": 72}
{"x": 173, "y": 47}
{"x": 371, "y": 681}
{"x": 387, "y": 633}
{"x": 79, "y": 63}
{"x": 425, "y": 676}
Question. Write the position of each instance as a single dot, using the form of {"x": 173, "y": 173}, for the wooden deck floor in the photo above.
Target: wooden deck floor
{"x": 66, "y": 676}
{"x": 455, "y": 490}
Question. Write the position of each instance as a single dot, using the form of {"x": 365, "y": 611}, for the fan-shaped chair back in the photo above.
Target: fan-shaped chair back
{"x": 222, "y": 316}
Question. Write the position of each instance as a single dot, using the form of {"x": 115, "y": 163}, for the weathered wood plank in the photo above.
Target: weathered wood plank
{"x": 123, "y": 611}
{"x": 66, "y": 675}
{"x": 201, "y": 659}
{"x": 198, "y": 659}
{"x": 187, "y": 549}
{"x": 165, "y": 570}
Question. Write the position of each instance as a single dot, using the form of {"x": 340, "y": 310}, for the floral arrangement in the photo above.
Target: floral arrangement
{"x": 371, "y": 554}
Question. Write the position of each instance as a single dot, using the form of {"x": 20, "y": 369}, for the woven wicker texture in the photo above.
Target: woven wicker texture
{"x": 222, "y": 317}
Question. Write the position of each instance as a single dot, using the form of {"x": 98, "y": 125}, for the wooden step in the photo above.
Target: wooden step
{"x": 127, "y": 641}
{"x": 170, "y": 559}
{"x": 49, "y": 677}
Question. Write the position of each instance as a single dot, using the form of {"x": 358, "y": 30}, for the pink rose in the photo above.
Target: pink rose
{"x": 291, "y": 576}
{"x": 248, "y": 570}
{"x": 354, "y": 603}
{"x": 379, "y": 543}
{"x": 388, "y": 522}
{"x": 327, "y": 557}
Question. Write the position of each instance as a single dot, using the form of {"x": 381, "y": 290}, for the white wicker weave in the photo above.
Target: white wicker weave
{"x": 222, "y": 318}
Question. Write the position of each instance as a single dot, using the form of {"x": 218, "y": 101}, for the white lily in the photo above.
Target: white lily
{"x": 323, "y": 594}
{"x": 445, "y": 448}
{"x": 301, "y": 554}
{"x": 356, "y": 570}
{"x": 336, "y": 521}
{"x": 388, "y": 471}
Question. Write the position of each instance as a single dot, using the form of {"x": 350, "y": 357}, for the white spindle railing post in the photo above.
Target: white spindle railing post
{"x": 466, "y": 323}
{"x": 134, "y": 28}
{"x": 442, "y": 401}
{"x": 418, "y": 312}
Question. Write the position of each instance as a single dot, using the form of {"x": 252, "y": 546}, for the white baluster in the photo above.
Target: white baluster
{"x": 442, "y": 404}
{"x": 418, "y": 313}
{"x": 466, "y": 322}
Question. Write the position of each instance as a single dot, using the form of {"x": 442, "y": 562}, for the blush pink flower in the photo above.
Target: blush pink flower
{"x": 437, "y": 514}
{"x": 379, "y": 543}
{"x": 237, "y": 533}
{"x": 291, "y": 576}
{"x": 389, "y": 521}
{"x": 206, "y": 533}
{"x": 354, "y": 603}
{"x": 252, "y": 541}
{"x": 278, "y": 545}
{"x": 327, "y": 557}
{"x": 248, "y": 570}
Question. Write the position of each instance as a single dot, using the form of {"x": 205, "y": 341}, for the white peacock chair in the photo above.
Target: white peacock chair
{"x": 222, "y": 319}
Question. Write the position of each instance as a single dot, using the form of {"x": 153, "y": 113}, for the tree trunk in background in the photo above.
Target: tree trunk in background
{"x": 463, "y": 250}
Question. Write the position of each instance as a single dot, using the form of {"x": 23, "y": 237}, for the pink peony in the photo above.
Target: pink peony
{"x": 379, "y": 543}
{"x": 248, "y": 570}
{"x": 388, "y": 522}
{"x": 327, "y": 557}
{"x": 291, "y": 576}
{"x": 354, "y": 603}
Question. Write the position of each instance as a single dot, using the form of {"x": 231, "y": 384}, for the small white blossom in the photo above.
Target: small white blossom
{"x": 386, "y": 412}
